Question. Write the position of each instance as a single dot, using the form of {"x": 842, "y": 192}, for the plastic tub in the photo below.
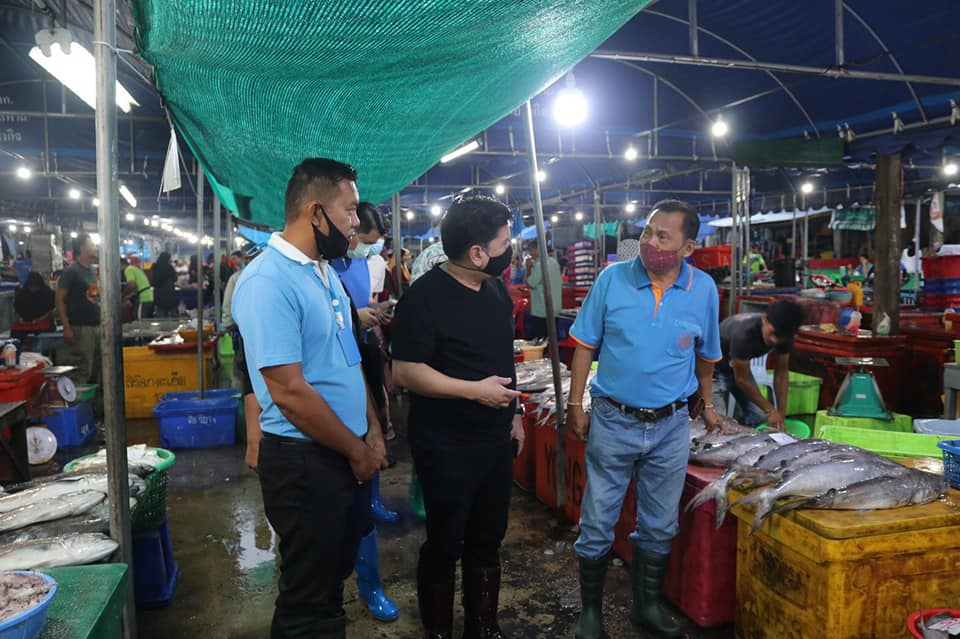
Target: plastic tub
{"x": 887, "y": 443}
{"x": 214, "y": 393}
{"x": 72, "y": 426}
{"x": 913, "y": 620}
{"x": 937, "y": 427}
{"x": 951, "y": 461}
{"x": 198, "y": 423}
{"x": 794, "y": 427}
{"x": 29, "y": 624}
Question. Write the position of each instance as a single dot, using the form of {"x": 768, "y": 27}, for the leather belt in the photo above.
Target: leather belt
{"x": 648, "y": 414}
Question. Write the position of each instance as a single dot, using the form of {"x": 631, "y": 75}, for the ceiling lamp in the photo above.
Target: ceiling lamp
{"x": 410, "y": 216}
{"x": 806, "y": 187}
{"x": 630, "y": 208}
{"x": 719, "y": 128}
{"x": 95, "y": 201}
{"x": 131, "y": 217}
{"x": 74, "y": 194}
{"x": 570, "y": 107}
{"x": 436, "y": 210}
{"x": 69, "y": 62}
{"x": 128, "y": 196}
{"x": 541, "y": 176}
{"x": 554, "y": 218}
{"x": 500, "y": 189}
{"x": 950, "y": 168}
{"x": 24, "y": 173}
{"x": 469, "y": 147}
{"x": 631, "y": 154}
{"x": 578, "y": 216}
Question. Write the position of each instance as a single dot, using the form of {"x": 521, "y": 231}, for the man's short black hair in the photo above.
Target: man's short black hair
{"x": 311, "y": 179}
{"x": 471, "y": 221}
{"x": 371, "y": 218}
{"x": 79, "y": 242}
{"x": 786, "y": 316}
{"x": 691, "y": 221}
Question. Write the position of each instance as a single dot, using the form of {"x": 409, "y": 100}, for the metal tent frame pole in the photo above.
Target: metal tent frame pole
{"x": 200, "y": 187}
{"x": 111, "y": 338}
{"x": 217, "y": 310}
{"x": 916, "y": 247}
{"x": 806, "y": 230}
{"x": 743, "y": 176}
{"x": 599, "y": 235}
{"x": 735, "y": 257}
{"x": 397, "y": 242}
{"x": 548, "y": 303}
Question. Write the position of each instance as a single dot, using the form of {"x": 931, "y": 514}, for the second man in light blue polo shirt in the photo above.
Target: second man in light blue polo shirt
{"x": 655, "y": 322}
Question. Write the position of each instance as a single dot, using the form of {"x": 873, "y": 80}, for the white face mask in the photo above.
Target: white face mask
{"x": 365, "y": 250}
{"x": 376, "y": 248}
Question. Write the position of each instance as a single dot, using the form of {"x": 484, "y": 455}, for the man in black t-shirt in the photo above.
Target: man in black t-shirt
{"x": 453, "y": 349}
{"x": 78, "y": 308}
{"x": 744, "y": 337}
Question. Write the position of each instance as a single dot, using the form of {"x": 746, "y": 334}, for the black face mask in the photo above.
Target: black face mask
{"x": 333, "y": 245}
{"x": 499, "y": 264}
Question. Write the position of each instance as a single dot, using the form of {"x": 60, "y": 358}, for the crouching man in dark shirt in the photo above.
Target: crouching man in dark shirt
{"x": 453, "y": 349}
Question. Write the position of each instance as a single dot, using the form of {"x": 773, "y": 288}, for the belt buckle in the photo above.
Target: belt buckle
{"x": 647, "y": 414}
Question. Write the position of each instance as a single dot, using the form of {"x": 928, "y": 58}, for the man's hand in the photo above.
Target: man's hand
{"x": 493, "y": 392}
{"x": 711, "y": 420}
{"x": 253, "y": 453}
{"x": 68, "y": 337}
{"x": 375, "y": 441}
{"x": 368, "y": 317}
{"x": 775, "y": 420}
{"x": 517, "y": 433}
{"x": 366, "y": 461}
{"x": 578, "y": 421}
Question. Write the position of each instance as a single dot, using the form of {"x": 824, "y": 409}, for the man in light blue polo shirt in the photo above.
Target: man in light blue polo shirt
{"x": 654, "y": 320}
{"x": 321, "y": 438}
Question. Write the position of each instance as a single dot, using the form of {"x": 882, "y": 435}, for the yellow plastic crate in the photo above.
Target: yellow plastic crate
{"x": 147, "y": 375}
{"x": 854, "y": 575}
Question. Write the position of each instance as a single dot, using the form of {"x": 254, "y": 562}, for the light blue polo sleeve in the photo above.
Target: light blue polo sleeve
{"x": 587, "y": 329}
{"x": 708, "y": 346}
{"x": 270, "y": 317}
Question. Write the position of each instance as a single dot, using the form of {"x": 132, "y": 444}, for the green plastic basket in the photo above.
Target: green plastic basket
{"x": 804, "y": 395}
{"x": 151, "y": 508}
{"x": 900, "y": 423}
{"x": 87, "y": 392}
{"x": 883, "y": 442}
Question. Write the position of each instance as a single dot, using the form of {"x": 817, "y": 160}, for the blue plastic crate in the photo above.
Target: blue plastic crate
{"x": 951, "y": 461}
{"x": 214, "y": 393}
{"x": 72, "y": 426}
{"x": 29, "y": 624}
{"x": 942, "y": 286}
{"x": 154, "y": 571}
{"x": 197, "y": 423}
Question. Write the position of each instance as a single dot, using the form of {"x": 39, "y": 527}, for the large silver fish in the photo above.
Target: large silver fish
{"x": 725, "y": 454}
{"x": 73, "y": 550}
{"x": 58, "y": 507}
{"x": 63, "y": 484}
{"x": 911, "y": 488}
{"x": 97, "y": 519}
{"x": 816, "y": 479}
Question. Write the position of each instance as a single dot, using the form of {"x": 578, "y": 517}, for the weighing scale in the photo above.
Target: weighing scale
{"x": 859, "y": 395}
{"x": 58, "y": 391}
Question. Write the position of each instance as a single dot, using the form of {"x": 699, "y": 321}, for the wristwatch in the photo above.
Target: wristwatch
{"x": 520, "y": 410}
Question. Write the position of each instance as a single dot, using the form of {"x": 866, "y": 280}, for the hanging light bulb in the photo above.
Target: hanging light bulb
{"x": 500, "y": 189}
{"x": 436, "y": 210}
{"x": 806, "y": 187}
{"x": 631, "y": 154}
{"x": 410, "y": 216}
{"x": 570, "y": 107}
{"x": 719, "y": 128}
{"x": 630, "y": 208}
{"x": 541, "y": 176}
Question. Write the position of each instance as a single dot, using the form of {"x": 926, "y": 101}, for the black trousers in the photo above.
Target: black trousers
{"x": 466, "y": 492}
{"x": 319, "y": 512}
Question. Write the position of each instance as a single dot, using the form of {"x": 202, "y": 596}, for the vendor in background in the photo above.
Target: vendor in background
{"x": 142, "y": 292}
{"x": 164, "y": 277}
{"x": 34, "y": 307}
{"x": 537, "y": 326}
{"x": 78, "y": 307}
{"x": 754, "y": 261}
{"x": 865, "y": 270}
{"x": 744, "y": 337}
{"x": 517, "y": 271}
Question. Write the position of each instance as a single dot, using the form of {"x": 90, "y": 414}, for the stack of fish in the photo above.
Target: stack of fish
{"x": 60, "y": 520}
{"x": 546, "y": 403}
{"x": 20, "y": 592}
{"x": 783, "y": 474}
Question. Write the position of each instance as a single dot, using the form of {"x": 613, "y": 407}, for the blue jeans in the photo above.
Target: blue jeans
{"x": 724, "y": 385}
{"x": 621, "y": 447}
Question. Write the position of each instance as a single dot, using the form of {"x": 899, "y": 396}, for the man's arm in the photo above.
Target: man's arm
{"x": 424, "y": 380}
{"x": 535, "y": 275}
{"x": 579, "y": 369}
{"x": 306, "y": 409}
{"x": 781, "y": 380}
{"x": 704, "y": 372}
{"x": 61, "y": 303}
{"x": 374, "y": 436}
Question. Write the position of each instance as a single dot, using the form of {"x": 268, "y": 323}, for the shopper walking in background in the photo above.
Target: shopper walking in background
{"x": 654, "y": 320}
{"x": 453, "y": 349}
{"x": 164, "y": 277}
{"x": 321, "y": 437}
{"x": 537, "y": 327}
{"x": 78, "y": 308}
{"x": 142, "y": 295}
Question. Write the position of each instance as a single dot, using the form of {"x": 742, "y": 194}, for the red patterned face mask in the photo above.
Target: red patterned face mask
{"x": 658, "y": 261}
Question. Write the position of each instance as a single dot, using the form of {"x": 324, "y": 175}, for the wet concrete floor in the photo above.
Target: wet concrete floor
{"x": 226, "y": 553}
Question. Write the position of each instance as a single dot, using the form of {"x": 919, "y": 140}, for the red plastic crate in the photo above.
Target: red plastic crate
{"x": 545, "y": 440}
{"x": 712, "y": 256}
{"x": 576, "y": 475}
{"x": 21, "y": 384}
{"x": 702, "y": 577}
{"x": 524, "y": 464}
{"x": 941, "y": 266}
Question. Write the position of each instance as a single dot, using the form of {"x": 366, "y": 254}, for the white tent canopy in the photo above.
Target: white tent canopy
{"x": 774, "y": 217}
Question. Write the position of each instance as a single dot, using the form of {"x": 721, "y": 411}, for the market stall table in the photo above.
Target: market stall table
{"x": 815, "y": 353}
{"x": 89, "y": 602}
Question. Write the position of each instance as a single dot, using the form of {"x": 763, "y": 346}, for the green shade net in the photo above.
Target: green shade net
{"x": 854, "y": 218}
{"x": 255, "y": 86}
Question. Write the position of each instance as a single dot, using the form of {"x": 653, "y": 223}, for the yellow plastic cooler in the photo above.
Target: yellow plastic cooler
{"x": 857, "y": 575}
{"x": 148, "y": 374}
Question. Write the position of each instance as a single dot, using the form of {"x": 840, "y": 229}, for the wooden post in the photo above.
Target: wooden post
{"x": 887, "y": 256}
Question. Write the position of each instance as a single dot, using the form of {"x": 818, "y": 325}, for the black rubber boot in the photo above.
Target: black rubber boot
{"x": 593, "y": 574}
{"x": 436, "y": 608}
{"x": 481, "y": 599}
{"x": 646, "y": 575}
